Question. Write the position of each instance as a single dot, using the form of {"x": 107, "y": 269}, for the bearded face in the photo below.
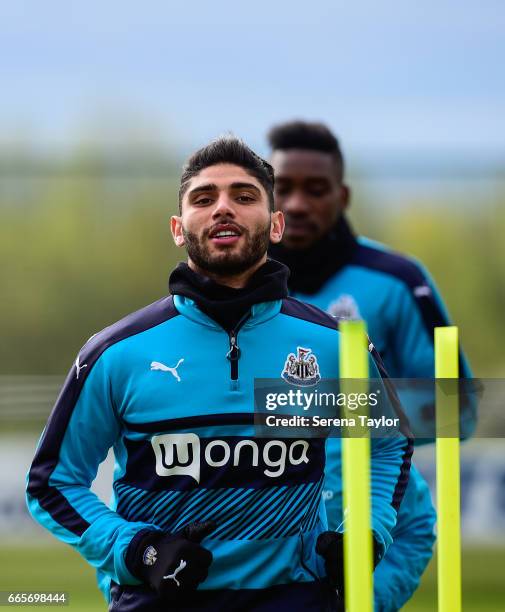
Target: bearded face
{"x": 226, "y": 224}
{"x": 228, "y": 259}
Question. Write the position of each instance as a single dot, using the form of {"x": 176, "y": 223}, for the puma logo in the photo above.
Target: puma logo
{"x": 182, "y": 565}
{"x": 79, "y": 367}
{"x": 156, "y": 365}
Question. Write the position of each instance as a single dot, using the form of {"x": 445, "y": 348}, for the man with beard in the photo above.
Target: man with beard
{"x": 352, "y": 277}
{"x": 205, "y": 514}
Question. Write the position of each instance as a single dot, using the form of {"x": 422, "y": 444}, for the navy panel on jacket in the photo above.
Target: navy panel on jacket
{"x": 300, "y": 310}
{"x": 296, "y": 597}
{"x": 307, "y": 465}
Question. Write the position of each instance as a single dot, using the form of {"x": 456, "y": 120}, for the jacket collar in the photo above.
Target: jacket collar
{"x": 259, "y": 312}
{"x": 227, "y": 306}
{"x": 311, "y": 268}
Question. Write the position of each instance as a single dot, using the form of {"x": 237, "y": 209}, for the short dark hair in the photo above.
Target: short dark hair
{"x": 228, "y": 150}
{"x": 314, "y": 136}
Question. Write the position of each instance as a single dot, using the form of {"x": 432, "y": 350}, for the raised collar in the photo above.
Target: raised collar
{"x": 259, "y": 312}
{"x": 226, "y": 306}
{"x": 311, "y": 268}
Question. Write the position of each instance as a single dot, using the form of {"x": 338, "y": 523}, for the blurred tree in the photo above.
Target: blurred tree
{"x": 86, "y": 242}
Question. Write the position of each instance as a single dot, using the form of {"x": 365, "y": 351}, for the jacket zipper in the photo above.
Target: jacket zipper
{"x": 233, "y": 355}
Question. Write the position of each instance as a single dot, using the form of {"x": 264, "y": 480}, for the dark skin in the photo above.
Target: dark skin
{"x": 310, "y": 192}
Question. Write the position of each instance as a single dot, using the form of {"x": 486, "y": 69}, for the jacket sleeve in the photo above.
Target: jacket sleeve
{"x": 390, "y": 466}
{"x": 82, "y": 427}
{"x": 397, "y": 576}
{"x": 418, "y": 310}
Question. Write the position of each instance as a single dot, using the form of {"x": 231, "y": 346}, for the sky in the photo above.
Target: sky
{"x": 387, "y": 76}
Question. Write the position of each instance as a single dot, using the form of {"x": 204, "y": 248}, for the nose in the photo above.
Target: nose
{"x": 223, "y": 207}
{"x": 295, "y": 205}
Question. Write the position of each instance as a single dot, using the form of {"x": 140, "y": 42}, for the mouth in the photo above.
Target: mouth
{"x": 225, "y": 234}
{"x": 299, "y": 228}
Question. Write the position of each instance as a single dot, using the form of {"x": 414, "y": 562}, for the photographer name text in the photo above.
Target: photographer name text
{"x": 318, "y": 421}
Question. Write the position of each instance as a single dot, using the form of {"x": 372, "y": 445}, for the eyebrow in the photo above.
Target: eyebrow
{"x": 207, "y": 187}
{"x": 213, "y": 187}
{"x": 244, "y": 186}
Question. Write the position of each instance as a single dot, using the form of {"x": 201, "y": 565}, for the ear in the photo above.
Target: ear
{"x": 276, "y": 226}
{"x": 176, "y": 228}
{"x": 345, "y": 197}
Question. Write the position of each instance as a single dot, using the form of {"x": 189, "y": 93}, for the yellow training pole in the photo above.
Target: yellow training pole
{"x": 356, "y": 479}
{"x": 447, "y": 459}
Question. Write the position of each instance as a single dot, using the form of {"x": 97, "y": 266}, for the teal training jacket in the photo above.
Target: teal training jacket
{"x": 159, "y": 387}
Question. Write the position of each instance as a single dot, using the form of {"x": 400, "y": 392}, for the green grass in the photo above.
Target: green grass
{"x": 51, "y": 568}
{"x": 482, "y": 578}
{"x": 57, "y": 568}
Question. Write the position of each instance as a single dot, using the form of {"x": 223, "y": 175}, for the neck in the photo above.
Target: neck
{"x": 236, "y": 281}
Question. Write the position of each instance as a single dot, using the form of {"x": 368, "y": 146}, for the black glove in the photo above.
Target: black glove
{"x": 330, "y": 545}
{"x": 171, "y": 563}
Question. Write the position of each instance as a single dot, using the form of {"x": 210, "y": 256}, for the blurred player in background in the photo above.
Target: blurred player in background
{"x": 353, "y": 277}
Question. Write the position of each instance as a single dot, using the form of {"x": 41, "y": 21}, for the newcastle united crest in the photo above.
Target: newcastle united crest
{"x": 344, "y": 307}
{"x": 301, "y": 369}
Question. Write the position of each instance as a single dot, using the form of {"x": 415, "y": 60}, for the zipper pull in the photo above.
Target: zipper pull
{"x": 234, "y": 353}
